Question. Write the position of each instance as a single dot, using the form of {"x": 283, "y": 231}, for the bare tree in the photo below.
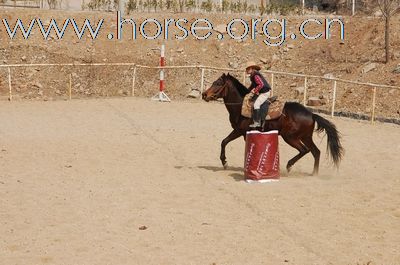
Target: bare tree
{"x": 388, "y": 8}
{"x": 262, "y": 7}
{"x": 181, "y": 5}
{"x": 52, "y": 4}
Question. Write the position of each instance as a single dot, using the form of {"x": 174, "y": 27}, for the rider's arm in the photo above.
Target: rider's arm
{"x": 259, "y": 83}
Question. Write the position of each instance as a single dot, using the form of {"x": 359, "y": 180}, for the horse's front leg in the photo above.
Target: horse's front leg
{"x": 232, "y": 136}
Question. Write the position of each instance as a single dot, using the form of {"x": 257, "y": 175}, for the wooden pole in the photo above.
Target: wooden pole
{"x": 202, "y": 82}
{"x": 303, "y": 4}
{"x": 133, "y": 82}
{"x": 9, "y": 85}
{"x": 272, "y": 84}
{"x": 305, "y": 91}
{"x": 70, "y": 87}
{"x": 373, "y": 105}
{"x": 353, "y": 9}
{"x": 333, "y": 99}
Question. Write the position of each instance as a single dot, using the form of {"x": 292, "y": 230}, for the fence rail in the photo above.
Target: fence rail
{"x": 216, "y": 6}
{"x": 21, "y": 3}
{"x": 202, "y": 68}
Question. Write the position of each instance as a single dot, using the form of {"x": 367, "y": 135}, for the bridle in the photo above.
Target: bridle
{"x": 223, "y": 89}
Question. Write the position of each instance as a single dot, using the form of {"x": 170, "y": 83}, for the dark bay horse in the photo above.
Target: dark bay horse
{"x": 295, "y": 125}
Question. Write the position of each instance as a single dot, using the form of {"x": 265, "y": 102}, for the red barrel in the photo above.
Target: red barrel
{"x": 261, "y": 161}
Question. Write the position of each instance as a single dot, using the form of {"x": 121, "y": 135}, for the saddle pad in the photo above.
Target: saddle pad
{"x": 274, "y": 111}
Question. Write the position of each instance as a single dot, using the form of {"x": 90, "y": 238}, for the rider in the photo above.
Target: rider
{"x": 260, "y": 87}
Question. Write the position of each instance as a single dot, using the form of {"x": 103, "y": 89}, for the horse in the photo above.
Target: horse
{"x": 296, "y": 124}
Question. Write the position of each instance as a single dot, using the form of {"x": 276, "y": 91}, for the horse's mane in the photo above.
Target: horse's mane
{"x": 243, "y": 91}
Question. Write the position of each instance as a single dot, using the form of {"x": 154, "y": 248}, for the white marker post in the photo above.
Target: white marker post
{"x": 161, "y": 96}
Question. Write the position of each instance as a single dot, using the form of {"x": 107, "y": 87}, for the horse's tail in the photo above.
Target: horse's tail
{"x": 334, "y": 146}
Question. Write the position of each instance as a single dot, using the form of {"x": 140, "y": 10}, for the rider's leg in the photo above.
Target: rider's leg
{"x": 256, "y": 118}
{"x": 265, "y": 107}
{"x": 256, "y": 112}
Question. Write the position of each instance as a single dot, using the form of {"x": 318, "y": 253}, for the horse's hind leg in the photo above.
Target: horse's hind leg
{"x": 232, "y": 136}
{"x": 315, "y": 152}
{"x": 300, "y": 146}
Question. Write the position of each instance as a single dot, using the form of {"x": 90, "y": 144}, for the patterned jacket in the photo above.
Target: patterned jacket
{"x": 258, "y": 83}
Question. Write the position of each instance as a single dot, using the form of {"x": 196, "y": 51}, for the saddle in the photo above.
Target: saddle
{"x": 274, "y": 111}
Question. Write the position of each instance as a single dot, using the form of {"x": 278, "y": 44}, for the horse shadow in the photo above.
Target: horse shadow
{"x": 235, "y": 175}
{"x": 238, "y": 174}
{"x": 299, "y": 174}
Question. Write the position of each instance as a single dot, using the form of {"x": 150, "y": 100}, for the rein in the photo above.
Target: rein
{"x": 224, "y": 90}
{"x": 232, "y": 103}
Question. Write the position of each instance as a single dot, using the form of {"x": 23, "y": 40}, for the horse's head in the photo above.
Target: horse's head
{"x": 217, "y": 90}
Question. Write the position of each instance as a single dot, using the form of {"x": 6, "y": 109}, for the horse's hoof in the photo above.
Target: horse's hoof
{"x": 225, "y": 165}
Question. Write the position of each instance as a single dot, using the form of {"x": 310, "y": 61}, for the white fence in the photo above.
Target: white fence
{"x": 22, "y": 3}
{"x": 202, "y": 69}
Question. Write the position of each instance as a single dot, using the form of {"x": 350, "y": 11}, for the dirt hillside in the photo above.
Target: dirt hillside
{"x": 362, "y": 48}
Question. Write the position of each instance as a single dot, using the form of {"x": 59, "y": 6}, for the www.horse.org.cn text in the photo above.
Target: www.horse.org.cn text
{"x": 274, "y": 32}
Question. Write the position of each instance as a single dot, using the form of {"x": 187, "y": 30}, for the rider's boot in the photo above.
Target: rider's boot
{"x": 256, "y": 119}
{"x": 264, "y": 111}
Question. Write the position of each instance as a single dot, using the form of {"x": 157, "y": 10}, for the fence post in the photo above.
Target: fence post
{"x": 373, "y": 105}
{"x": 70, "y": 87}
{"x": 121, "y": 7}
{"x": 133, "y": 82}
{"x": 305, "y": 91}
{"x": 9, "y": 85}
{"x": 353, "y": 8}
{"x": 202, "y": 82}
{"x": 333, "y": 99}
{"x": 272, "y": 84}
{"x": 303, "y": 6}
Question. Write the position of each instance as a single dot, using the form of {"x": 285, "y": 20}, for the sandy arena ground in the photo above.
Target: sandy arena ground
{"x": 79, "y": 178}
